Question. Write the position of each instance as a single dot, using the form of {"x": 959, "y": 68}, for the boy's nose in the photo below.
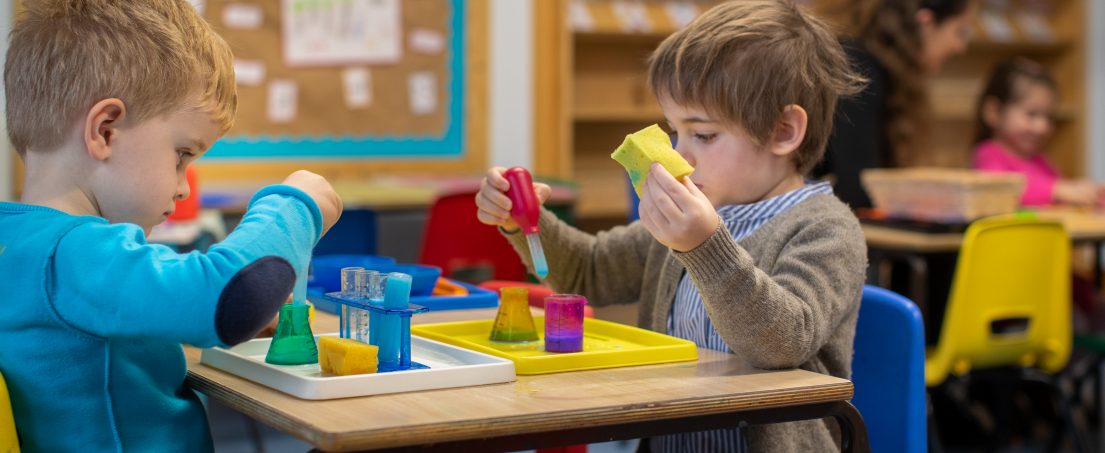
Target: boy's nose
{"x": 182, "y": 189}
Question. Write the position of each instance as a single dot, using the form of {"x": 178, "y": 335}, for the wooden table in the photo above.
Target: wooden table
{"x": 1083, "y": 227}
{"x": 915, "y": 247}
{"x": 546, "y": 410}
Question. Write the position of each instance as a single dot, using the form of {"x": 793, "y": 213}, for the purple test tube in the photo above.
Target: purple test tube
{"x": 564, "y": 323}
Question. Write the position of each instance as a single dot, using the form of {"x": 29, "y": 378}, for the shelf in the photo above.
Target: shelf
{"x": 964, "y": 109}
{"x": 617, "y": 114}
{"x": 1018, "y": 47}
{"x": 620, "y": 37}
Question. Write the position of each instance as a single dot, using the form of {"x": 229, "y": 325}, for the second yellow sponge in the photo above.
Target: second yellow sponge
{"x": 640, "y": 149}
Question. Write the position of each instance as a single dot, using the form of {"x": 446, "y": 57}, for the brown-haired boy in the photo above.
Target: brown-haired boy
{"x": 107, "y": 103}
{"x": 743, "y": 255}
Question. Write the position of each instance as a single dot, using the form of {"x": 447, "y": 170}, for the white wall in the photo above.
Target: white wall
{"x": 1095, "y": 66}
{"x": 510, "y": 85}
{"x": 5, "y": 148}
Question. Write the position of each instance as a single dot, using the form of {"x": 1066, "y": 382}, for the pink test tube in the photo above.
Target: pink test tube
{"x": 564, "y": 323}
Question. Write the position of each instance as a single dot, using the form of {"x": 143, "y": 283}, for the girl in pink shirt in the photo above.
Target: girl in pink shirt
{"x": 1015, "y": 120}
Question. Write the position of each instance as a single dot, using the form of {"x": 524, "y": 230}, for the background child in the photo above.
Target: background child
{"x": 107, "y": 103}
{"x": 1015, "y": 119}
{"x": 743, "y": 255}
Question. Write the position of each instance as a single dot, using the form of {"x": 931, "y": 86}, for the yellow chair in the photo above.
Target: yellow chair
{"x": 1013, "y": 273}
{"x": 1010, "y": 307}
{"x": 9, "y": 441}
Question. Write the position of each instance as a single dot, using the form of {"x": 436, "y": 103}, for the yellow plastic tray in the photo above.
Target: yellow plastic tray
{"x": 605, "y": 345}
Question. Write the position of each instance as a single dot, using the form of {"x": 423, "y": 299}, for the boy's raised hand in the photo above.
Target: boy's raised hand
{"x": 677, "y": 213}
{"x": 493, "y": 204}
{"x": 319, "y": 189}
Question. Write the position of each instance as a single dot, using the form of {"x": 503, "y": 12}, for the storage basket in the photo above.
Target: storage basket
{"x": 942, "y": 194}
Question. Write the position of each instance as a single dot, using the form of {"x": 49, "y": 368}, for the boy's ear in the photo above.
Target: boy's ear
{"x": 101, "y": 127}
{"x": 790, "y": 130}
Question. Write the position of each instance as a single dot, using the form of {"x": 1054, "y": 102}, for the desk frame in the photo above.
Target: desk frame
{"x": 852, "y": 429}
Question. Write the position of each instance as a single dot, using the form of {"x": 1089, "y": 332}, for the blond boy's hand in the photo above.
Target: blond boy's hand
{"x": 677, "y": 213}
{"x": 493, "y": 204}
{"x": 315, "y": 186}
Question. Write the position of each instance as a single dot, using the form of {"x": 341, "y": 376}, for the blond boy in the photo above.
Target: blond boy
{"x": 743, "y": 255}
{"x": 107, "y": 103}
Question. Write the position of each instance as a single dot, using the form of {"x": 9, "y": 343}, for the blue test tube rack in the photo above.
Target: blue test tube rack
{"x": 397, "y": 312}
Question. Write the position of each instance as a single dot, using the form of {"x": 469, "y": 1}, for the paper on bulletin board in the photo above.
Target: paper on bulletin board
{"x": 430, "y": 42}
{"x": 249, "y": 73}
{"x": 243, "y": 16}
{"x": 337, "y": 32}
{"x": 199, "y": 5}
{"x": 357, "y": 87}
{"x": 423, "y": 92}
{"x": 283, "y": 101}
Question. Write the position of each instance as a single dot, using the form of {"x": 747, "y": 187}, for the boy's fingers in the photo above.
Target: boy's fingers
{"x": 663, "y": 209}
{"x": 668, "y": 184}
{"x": 495, "y": 177}
{"x": 692, "y": 188}
{"x": 542, "y": 190}
{"x": 493, "y": 202}
{"x": 662, "y": 200}
{"x": 489, "y": 218}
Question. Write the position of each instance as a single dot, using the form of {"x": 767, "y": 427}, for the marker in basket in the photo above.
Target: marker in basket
{"x": 525, "y": 210}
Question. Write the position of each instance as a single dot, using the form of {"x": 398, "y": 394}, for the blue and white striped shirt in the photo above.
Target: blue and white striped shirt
{"x": 688, "y": 318}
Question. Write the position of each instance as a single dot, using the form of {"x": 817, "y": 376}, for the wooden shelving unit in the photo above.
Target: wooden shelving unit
{"x": 591, "y": 90}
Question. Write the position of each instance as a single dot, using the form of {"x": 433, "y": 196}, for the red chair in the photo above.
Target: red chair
{"x": 457, "y": 242}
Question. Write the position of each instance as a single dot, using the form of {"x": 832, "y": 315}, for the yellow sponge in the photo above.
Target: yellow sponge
{"x": 343, "y": 356}
{"x": 640, "y": 149}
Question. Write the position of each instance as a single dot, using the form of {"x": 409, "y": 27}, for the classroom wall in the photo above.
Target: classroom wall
{"x": 511, "y": 83}
{"x": 1095, "y": 64}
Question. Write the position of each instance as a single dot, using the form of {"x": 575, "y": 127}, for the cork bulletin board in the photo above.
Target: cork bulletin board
{"x": 411, "y": 100}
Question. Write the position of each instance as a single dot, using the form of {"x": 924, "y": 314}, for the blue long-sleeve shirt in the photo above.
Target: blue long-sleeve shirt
{"x": 93, "y": 318}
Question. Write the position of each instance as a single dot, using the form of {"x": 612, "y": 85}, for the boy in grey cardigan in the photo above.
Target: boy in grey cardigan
{"x": 744, "y": 255}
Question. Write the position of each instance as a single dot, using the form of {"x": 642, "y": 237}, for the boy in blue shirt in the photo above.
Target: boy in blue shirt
{"x": 107, "y": 103}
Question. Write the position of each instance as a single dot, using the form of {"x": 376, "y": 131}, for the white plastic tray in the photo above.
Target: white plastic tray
{"x": 450, "y": 366}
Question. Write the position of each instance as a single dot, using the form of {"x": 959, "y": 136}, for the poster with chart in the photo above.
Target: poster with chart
{"x": 336, "y": 32}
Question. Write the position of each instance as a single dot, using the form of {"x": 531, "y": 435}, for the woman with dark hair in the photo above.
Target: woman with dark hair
{"x": 897, "y": 45}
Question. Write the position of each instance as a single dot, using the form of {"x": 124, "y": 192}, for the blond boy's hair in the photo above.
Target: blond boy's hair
{"x": 157, "y": 56}
{"x": 744, "y": 61}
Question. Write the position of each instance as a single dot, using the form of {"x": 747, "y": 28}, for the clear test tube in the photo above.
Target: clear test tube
{"x": 360, "y": 317}
{"x": 376, "y": 284}
{"x": 348, "y": 289}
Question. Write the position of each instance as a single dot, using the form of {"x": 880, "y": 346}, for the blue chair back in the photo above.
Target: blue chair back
{"x": 888, "y": 370}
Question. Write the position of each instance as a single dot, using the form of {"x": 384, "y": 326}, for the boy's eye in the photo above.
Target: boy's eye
{"x": 704, "y": 138}
{"x": 181, "y": 156}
